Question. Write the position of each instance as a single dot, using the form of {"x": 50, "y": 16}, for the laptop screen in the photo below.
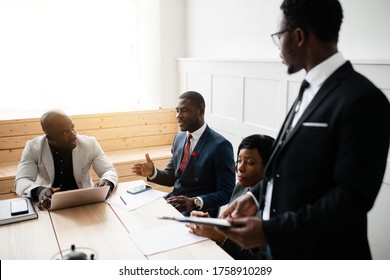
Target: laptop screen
{"x": 72, "y": 198}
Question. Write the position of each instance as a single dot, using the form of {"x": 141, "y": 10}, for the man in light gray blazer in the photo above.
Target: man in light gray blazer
{"x": 61, "y": 160}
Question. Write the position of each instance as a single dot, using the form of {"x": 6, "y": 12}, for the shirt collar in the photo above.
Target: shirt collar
{"x": 198, "y": 133}
{"x": 317, "y": 76}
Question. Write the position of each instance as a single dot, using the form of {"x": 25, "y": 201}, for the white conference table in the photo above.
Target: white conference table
{"x": 104, "y": 228}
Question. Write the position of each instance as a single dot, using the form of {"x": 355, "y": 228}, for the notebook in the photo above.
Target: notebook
{"x": 16, "y": 210}
{"x": 72, "y": 198}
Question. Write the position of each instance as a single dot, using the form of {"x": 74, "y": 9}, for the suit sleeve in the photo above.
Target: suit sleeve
{"x": 26, "y": 172}
{"x": 102, "y": 165}
{"x": 224, "y": 177}
{"x": 167, "y": 176}
{"x": 239, "y": 253}
{"x": 256, "y": 190}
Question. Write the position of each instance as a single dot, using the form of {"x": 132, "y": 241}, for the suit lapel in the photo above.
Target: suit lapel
{"x": 76, "y": 160}
{"x": 319, "y": 98}
{"x": 278, "y": 143}
{"x": 47, "y": 159}
{"x": 181, "y": 142}
{"x": 198, "y": 150}
{"x": 329, "y": 85}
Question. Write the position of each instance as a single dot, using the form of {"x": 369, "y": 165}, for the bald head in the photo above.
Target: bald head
{"x": 51, "y": 118}
{"x": 59, "y": 130}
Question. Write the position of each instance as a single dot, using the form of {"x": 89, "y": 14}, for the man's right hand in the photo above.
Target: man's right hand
{"x": 247, "y": 232}
{"x": 243, "y": 206}
{"x": 144, "y": 169}
{"x": 44, "y": 198}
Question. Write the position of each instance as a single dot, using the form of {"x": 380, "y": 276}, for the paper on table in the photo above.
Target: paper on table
{"x": 165, "y": 238}
{"x": 133, "y": 201}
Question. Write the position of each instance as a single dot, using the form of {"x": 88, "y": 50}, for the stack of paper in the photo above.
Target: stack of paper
{"x": 129, "y": 201}
{"x": 164, "y": 238}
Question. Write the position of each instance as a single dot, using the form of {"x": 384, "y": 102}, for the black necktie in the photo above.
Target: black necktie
{"x": 287, "y": 127}
{"x": 297, "y": 105}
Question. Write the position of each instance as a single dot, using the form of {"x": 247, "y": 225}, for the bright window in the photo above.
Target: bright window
{"x": 77, "y": 55}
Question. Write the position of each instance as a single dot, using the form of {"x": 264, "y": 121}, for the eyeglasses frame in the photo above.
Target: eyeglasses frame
{"x": 276, "y": 36}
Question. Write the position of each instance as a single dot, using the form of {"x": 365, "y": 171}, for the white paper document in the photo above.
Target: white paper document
{"x": 165, "y": 238}
{"x": 130, "y": 201}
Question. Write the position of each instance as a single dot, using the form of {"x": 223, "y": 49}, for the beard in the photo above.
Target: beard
{"x": 291, "y": 67}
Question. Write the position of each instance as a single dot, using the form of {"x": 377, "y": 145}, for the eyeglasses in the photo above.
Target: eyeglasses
{"x": 276, "y": 36}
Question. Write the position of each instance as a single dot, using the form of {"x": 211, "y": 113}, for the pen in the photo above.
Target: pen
{"x": 123, "y": 200}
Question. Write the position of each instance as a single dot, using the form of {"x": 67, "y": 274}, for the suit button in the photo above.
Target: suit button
{"x": 196, "y": 179}
{"x": 277, "y": 175}
{"x": 274, "y": 210}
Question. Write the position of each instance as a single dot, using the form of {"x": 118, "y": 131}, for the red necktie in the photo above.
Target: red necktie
{"x": 186, "y": 154}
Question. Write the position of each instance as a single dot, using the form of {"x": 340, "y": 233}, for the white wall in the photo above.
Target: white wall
{"x": 161, "y": 42}
{"x": 172, "y": 30}
{"x": 242, "y": 28}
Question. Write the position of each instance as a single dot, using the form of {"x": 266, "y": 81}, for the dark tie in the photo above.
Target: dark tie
{"x": 186, "y": 154}
{"x": 286, "y": 128}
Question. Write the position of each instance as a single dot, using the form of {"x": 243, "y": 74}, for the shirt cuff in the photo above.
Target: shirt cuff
{"x": 111, "y": 184}
{"x": 254, "y": 199}
{"x": 35, "y": 192}
{"x": 154, "y": 175}
{"x": 201, "y": 202}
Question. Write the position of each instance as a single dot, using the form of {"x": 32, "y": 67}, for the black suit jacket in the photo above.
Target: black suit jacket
{"x": 327, "y": 173}
{"x": 209, "y": 172}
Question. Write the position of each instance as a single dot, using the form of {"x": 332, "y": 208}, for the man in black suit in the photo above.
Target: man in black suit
{"x": 330, "y": 156}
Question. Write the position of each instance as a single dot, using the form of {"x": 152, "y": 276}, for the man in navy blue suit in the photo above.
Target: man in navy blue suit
{"x": 204, "y": 182}
{"x": 327, "y": 166}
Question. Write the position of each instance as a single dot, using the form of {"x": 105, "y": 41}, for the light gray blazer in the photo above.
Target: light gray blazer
{"x": 36, "y": 167}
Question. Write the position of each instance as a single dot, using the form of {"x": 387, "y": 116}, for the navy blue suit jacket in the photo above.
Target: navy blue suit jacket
{"x": 209, "y": 172}
{"x": 328, "y": 172}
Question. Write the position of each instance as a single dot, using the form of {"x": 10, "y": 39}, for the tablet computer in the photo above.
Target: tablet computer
{"x": 72, "y": 198}
{"x": 201, "y": 221}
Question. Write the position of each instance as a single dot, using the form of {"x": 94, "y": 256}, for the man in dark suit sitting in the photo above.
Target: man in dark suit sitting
{"x": 328, "y": 163}
{"x": 201, "y": 169}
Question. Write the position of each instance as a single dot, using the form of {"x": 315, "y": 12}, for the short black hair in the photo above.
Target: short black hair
{"x": 324, "y": 17}
{"x": 195, "y": 98}
{"x": 263, "y": 144}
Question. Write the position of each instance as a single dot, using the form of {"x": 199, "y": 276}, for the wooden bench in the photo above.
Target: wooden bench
{"x": 125, "y": 138}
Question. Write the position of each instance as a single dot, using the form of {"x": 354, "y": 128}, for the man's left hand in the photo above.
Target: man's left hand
{"x": 102, "y": 183}
{"x": 182, "y": 203}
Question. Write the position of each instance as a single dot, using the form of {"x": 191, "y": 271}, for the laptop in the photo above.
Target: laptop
{"x": 72, "y": 198}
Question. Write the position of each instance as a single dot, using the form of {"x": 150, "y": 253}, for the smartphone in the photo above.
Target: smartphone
{"x": 137, "y": 189}
{"x": 19, "y": 207}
